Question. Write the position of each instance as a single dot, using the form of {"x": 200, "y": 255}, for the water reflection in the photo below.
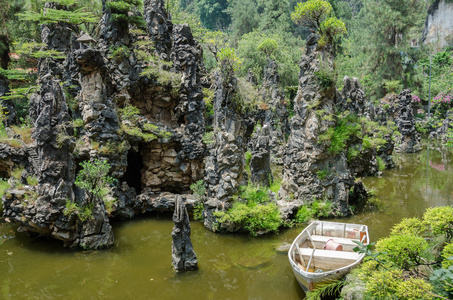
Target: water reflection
{"x": 231, "y": 266}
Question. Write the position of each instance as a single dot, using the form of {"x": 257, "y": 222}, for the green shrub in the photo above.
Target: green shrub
{"x": 109, "y": 203}
{"x": 317, "y": 209}
{"x": 447, "y": 252}
{"x": 414, "y": 289}
{"x": 275, "y": 185}
{"x": 208, "y": 101}
{"x": 330, "y": 29}
{"x": 229, "y": 62}
{"x": 389, "y": 284}
{"x": 380, "y": 163}
{"x": 303, "y": 215}
{"x": 340, "y": 134}
{"x": 4, "y": 185}
{"x": 93, "y": 179}
{"x": 383, "y": 284}
{"x": 325, "y": 78}
{"x": 392, "y": 86}
{"x": 160, "y": 70}
{"x": 208, "y": 138}
{"x": 198, "y": 211}
{"x": 403, "y": 250}
{"x": 254, "y": 218}
{"x": 120, "y": 53}
{"x": 322, "y": 174}
{"x": 253, "y": 194}
{"x": 321, "y": 208}
{"x": 198, "y": 189}
{"x": 353, "y": 152}
{"x": 130, "y": 113}
{"x": 311, "y": 13}
{"x": 440, "y": 220}
{"x": 32, "y": 180}
{"x": 412, "y": 226}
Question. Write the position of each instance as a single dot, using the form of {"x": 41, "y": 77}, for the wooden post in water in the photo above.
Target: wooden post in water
{"x": 183, "y": 256}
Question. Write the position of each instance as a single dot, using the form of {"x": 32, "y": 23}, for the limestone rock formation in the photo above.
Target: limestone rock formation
{"x": 310, "y": 170}
{"x": 352, "y": 98}
{"x": 409, "y": 141}
{"x": 439, "y": 24}
{"x": 187, "y": 57}
{"x": 159, "y": 26}
{"x": 8, "y": 109}
{"x": 275, "y": 111}
{"x": 183, "y": 255}
{"x": 440, "y": 134}
{"x": 224, "y": 165}
{"x": 260, "y": 164}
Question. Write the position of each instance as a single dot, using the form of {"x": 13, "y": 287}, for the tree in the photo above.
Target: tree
{"x": 379, "y": 37}
{"x": 213, "y": 13}
{"x": 287, "y": 55}
{"x": 268, "y": 47}
{"x": 121, "y": 11}
{"x": 93, "y": 179}
{"x": 244, "y": 17}
{"x": 313, "y": 14}
{"x": 274, "y": 15}
{"x": 63, "y": 12}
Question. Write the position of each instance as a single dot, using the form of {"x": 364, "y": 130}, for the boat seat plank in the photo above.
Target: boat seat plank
{"x": 324, "y": 239}
{"x": 320, "y": 241}
{"x": 329, "y": 254}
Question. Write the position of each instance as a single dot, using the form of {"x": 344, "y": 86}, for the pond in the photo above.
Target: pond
{"x": 231, "y": 266}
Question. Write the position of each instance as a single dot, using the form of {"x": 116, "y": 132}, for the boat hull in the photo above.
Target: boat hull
{"x": 310, "y": 283}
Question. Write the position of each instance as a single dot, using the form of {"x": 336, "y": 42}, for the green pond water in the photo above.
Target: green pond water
{"x": 231, "y": 266}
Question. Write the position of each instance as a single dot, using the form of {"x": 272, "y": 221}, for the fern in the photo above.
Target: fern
{"x": 329, "y": 288}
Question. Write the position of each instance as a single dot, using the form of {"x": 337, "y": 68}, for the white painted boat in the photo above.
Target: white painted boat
{"x": 323, "y": 251}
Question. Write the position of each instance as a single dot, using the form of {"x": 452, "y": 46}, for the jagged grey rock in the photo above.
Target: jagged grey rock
{"x": 187, "y": 57}
{"x": 159, "y": 26}
{"x": 183, "y": 255}
{"x": 305, "y": 156}
{"x": 409, "y": 140}
{"x": 275, "y": 112}
{"x": 8, "y": 108}
{"x": 224, "y": 165}
{"x": 352, "y": 98}
{"x": 260, "y": 164}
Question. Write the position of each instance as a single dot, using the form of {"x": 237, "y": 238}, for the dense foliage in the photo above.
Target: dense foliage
{"x": 414, "y": 262}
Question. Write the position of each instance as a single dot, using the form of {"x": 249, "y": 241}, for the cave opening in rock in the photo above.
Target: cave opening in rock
{"x": 133, "y": 176}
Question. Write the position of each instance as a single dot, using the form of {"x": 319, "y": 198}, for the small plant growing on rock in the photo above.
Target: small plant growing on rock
{"x": 120, "y": 53}
{"x": 93, "y": 179}
{"x": 208, "y": 138}
{"x": 121, "y": 11}
{"x": 391, "y": 86}
{"x": 229, "y": 62}
{"x": 198, "y": 189}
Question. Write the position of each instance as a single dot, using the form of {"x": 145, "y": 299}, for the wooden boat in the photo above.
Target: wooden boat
{"x": 323, "y": 251}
